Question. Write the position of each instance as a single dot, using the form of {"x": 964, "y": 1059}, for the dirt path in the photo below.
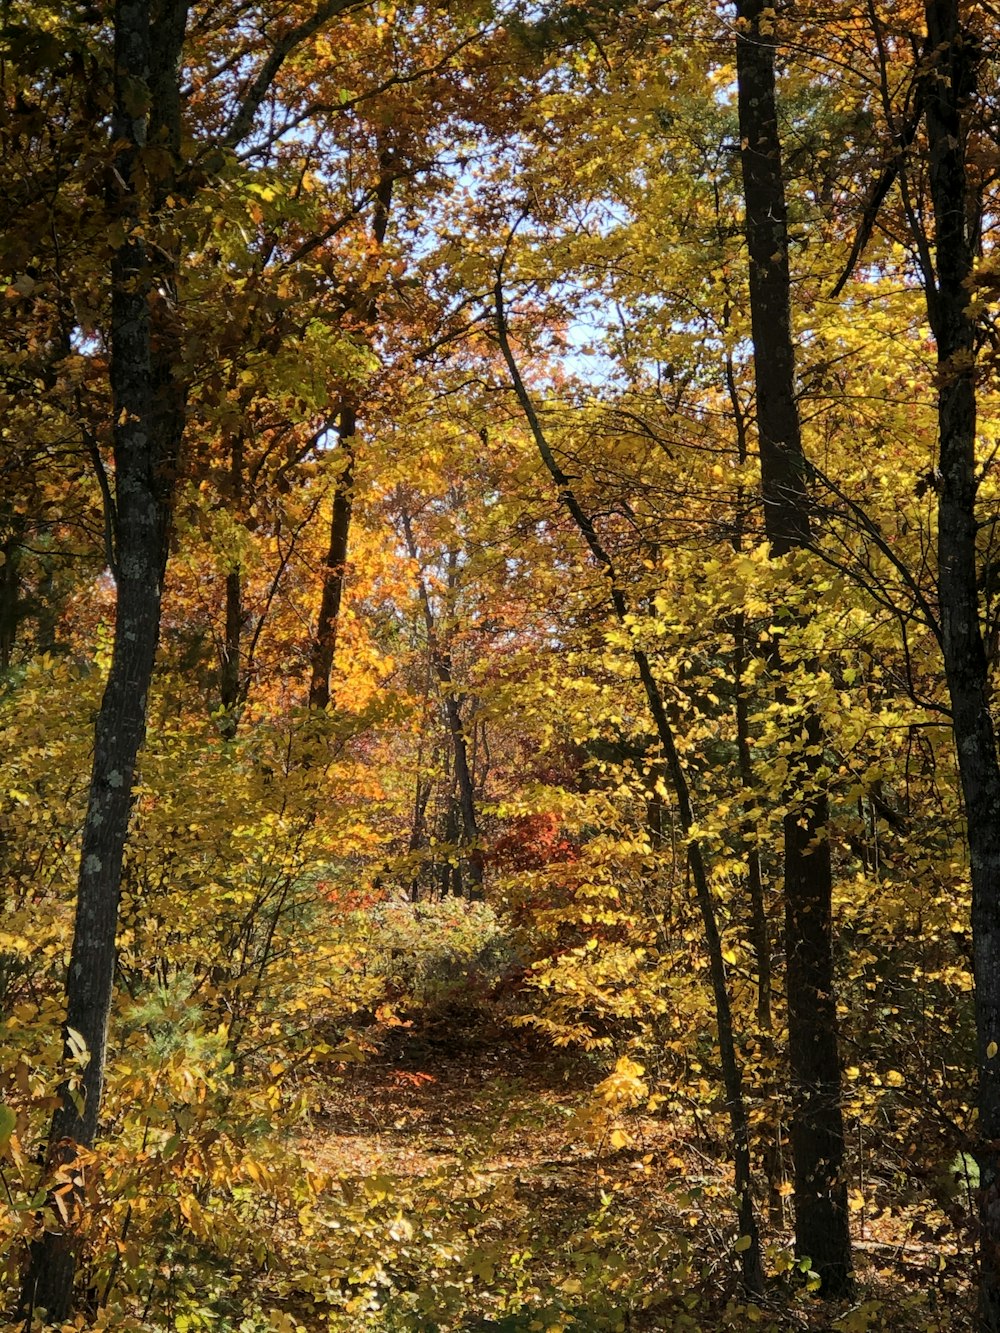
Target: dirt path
{"x": 546, "y": 1227}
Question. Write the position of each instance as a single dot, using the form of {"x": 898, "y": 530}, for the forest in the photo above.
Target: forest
{"x": 499, "y": 642}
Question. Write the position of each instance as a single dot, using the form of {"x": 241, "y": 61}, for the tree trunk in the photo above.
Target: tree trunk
{"x": 148, "y": 414}
{"x": 948, "y": 85}
{"x": 335, "y": 565}
{"x": 10, "y": 597}
{"x": 230, "y": 676}
{"x": 817, "y": 1132}
{"x": 463, "y": 775}
{"x": 230, "y": 692}
{"x": 440, "y": 656}
{"x": 148, "y": 405}
{"x": 324, "y": 649}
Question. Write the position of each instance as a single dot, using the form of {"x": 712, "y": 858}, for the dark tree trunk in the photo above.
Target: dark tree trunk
{"x": 148, "y": 407}
{"x": 422, "y": 793}
{"x": 335, "y": 565}
{"x": 10, "y": 597}
{"x": 948, "y": 85}
{"x": 463, "y": 776}
{"x": 817, "y": 1132}
{"x": 230, "y": 676}
{"x": 324, "y": 649}
{"x": 230, "y": 684}
{"x": 417, "y": 829}
{"x": 148, "y": 413}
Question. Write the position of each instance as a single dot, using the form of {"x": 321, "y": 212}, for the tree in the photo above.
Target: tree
{"x": 749, "y": 1244}
{"x": 148, "y": 399}
{"x": 363, "y": 311}
{"x": 440, "y": 654}
{"x": 817, "y": 1129}
{"x": 948, "y": 80}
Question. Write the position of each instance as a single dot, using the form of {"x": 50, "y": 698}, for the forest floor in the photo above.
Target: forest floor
{"x": 566, "y": 1224}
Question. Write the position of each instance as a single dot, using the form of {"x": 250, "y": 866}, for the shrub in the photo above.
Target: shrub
{"x": 433, "y": 955}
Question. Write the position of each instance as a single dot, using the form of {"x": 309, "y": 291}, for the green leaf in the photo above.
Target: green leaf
{"x": 8, "y": 1122}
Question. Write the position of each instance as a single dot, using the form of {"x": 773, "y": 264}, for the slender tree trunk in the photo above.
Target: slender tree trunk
{"x": 755, "y": 880}
{"x": 230, "y": 675}
{"x": 335, "y": 565}
{"x": 449, "y": 874}
{"x": 10, "y": 597}
{"x": 782, "y": 465}
{"x": 948, "y": 85}
{"x": 148, "y": 413}
{"x": 732, "y": 1075}
{"x": 417, "y": 830}
{"x": 463, "y": 776}
{"x": 440, "y": 654}
{"x": 817, "y": 1131}
{"x": 229, "y": 661}
{"x": 324, "y": 649}
{"x": 422, "y": 792}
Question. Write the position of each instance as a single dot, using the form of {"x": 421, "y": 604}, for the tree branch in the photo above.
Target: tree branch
{"x": 242, "y": 122}
{"x": 904, "y": 138}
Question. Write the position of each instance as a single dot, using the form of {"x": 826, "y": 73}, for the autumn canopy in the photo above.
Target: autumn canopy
{"x": 499, "y": 642}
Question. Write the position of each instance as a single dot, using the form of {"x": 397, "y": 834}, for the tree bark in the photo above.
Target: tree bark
{"x": 230, "y": 676}
{"x": 230, "y": 684}
{"x": 335, "y": 565}
{"x": 948, "y": 83}
{"x": 148, "y": 415}
{"x": 817, "y": 1132}
{"x": 11, "y": 603}
{"x": 463, "y": 776}
{"x": 149, "y": 398}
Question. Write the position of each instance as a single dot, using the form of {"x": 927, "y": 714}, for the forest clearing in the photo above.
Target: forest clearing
{"x": 499, "y": 629}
